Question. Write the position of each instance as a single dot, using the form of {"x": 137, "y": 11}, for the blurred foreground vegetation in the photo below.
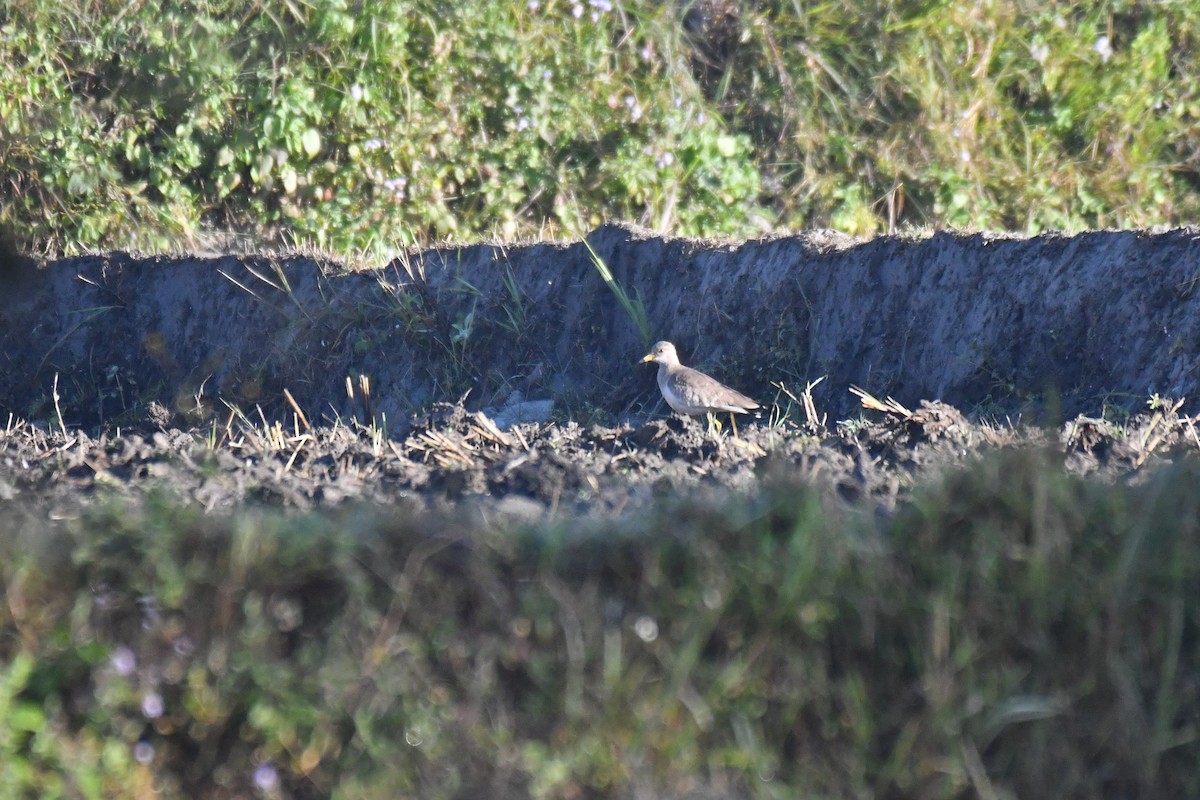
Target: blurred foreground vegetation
{"x": 366, "y": 126}
{"x": 1010, "y": 631}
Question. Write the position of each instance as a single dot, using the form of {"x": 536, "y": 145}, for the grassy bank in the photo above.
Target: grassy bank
{"x": 1009, "y": 632}
{"x": 366, "y": 126}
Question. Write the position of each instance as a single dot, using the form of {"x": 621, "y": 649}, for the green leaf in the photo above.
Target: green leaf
{"x": 261, "y": 170}
{"x": 26, "y": 717}
{"x": 311, "y": 142}
{"x": 80, "y": 183}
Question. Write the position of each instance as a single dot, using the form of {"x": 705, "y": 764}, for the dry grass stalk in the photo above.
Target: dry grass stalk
{"x": 1159, "y": 428}
{"x": 813, "y": 421}
{"x": 486, "y": 429}
{"x": 296, "y": 407}
{"x": 874, "y": 404}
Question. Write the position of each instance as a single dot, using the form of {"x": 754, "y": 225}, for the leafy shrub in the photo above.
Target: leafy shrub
{"x": 371, "y": 125}
{"x": 354, "y": 126}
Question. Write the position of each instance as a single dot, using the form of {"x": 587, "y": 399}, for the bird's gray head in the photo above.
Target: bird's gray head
{"x": 662, "y": 353}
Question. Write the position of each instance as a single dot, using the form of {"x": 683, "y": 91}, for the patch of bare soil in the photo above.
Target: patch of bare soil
{"x": 540, "y": 471}
{"x": 510, "y": 374}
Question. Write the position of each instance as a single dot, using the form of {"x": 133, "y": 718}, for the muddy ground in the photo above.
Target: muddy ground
{"x": 509, "y": 374}
{"x": 543, "y": 471}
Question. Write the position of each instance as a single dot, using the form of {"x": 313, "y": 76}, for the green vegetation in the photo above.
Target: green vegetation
{"x": 634, "y": 307}
{"x": 1009, "y": 632}
{"x": 362, "y": 127}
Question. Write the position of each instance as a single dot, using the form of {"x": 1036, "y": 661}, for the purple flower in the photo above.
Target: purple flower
{"x": 152, "y": 705}
{"x": 123, "y": 661}
{"x": 143, "y": 752}
{"x": 266, "y": 777}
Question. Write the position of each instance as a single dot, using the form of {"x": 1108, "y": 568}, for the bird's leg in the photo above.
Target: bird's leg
{"x": 714, "y": 424}
{"x": 733, "y": 422}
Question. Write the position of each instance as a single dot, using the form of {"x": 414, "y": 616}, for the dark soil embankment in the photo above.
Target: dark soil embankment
{"x": 992, "y": 325}
{"x": 981, "y": 322}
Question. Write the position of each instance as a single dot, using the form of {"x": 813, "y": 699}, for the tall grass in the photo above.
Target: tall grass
{"x": 635, "y": 309}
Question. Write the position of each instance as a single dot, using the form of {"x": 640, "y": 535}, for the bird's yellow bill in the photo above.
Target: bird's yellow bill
{"x": 648, "y": 357}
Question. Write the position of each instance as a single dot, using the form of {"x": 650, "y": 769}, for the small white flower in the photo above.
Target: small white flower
{"x": 265, "y": 777}
{"x": 124, "y": 661}
{"x": 356, "y": 92}
{"x": 665, "y": 160}
{"x": 1040, "y": 52}
{"x": 143, "y": 753}
{"x": 547, "y": 74}
{"x": 602, "y": 5}
{"x": 396, "y": 186}
{"x": 1104, "y": 47}
{"x": 372, "y": 144}
{"x": 646, "y": 628}
{"x": 577, "y": 10}
{"x": 152, "y": 705}
{"x": 534, "y": 5}
{"x": 523, "y": 123}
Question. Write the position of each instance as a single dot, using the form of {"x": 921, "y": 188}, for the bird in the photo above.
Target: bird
{"x": 689, "y": 391}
